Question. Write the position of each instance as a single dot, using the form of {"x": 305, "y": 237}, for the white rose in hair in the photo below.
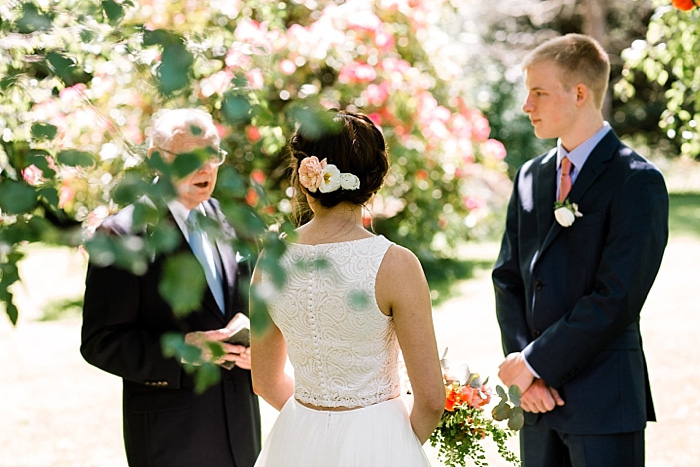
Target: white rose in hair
{"x": 330, "y": 179}
{"x": 349, "y": 181}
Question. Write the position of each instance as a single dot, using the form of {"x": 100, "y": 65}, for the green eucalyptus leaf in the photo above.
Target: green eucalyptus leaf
{"x": 516, "y": 419}
{"x": 514, "y": 394}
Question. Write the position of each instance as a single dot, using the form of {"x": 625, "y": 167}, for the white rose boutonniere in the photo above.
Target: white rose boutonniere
{"x": 566, "y": 212}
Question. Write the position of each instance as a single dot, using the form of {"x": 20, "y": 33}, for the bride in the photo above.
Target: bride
{"x": 351, "y": 304}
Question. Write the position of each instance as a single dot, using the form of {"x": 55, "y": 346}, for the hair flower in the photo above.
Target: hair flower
{"x": 566, "y": 212}
{"x": 310, "y": 173}
{"x": 349, "y": 181}
{"x": 324, "y": 177}
{"x": 330, "y": 179}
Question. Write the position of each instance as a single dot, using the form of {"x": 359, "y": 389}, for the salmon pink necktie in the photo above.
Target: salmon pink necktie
{"x": 565, "y": 179}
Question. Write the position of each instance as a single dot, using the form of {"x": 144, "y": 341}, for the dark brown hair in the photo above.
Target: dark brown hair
{"x": 350, "y": 141}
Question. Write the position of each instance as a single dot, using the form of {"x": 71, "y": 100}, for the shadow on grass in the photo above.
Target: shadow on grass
{"x": 444, "y": 275}
{"x": 684, "y": 214}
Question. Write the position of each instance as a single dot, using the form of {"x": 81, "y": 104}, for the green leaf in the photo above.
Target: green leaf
{"x": 44, "y": 131}
{"x": 183, "y": 283}
{"x": 514, "y": 393}
{"x": 16, "y": 197}
{"x": 517, "y": 419}
{"x": 32, "y": 20}
{"x": 236, "y": 108}
{"x": 75, "y": 158}
{"x": 113, "y": 10}
{"x": 500, "y": 411}
{"x": 206, "y": 376}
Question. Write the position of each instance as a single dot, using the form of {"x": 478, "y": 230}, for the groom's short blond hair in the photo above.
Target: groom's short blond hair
{"x": 580, "y": 58}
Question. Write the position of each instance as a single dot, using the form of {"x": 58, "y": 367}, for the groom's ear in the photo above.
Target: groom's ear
{"x": 582, "y": 94}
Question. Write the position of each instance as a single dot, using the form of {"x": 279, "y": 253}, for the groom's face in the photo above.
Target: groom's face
{"x": 550, "y": 105}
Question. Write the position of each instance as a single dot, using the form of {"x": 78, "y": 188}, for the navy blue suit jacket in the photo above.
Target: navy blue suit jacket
{"x": 576, "y": 292}
{"x": 166, "y": 422}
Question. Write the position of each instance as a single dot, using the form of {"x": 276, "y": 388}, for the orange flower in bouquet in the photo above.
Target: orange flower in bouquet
{"x": 684, "y": 5}
{"x": 465, "y": 423}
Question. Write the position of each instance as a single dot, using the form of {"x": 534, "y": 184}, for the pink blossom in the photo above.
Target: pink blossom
{"x": 255, "y": 78}
{"x": 33, "y": 175}
{"x": 235, "y": 58}
{"x": 376, "y": 118}
{"x": 66, "y": 194}
{"x": 258, "y": 176}
{"x": 376, "y": 94}
{"x": 287, "y": 67}
{"x": 493, "y": 149}
{"x": 253, "y": 133}
{"x": 72, "y": 95}
{"x": 216, "y": 83}
{"x": 480, "y": 127}
{"x": 357, "y": 72}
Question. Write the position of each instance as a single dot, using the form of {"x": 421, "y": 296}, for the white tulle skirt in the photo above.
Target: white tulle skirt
{"x": 378, "y": 435}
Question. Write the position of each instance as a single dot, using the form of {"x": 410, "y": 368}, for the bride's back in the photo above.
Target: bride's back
{"x": 343, "y": 348}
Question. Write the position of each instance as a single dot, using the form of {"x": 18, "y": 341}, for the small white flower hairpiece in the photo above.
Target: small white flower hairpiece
{"x": 320, "y": 175}
{"x": 566, "y": 212}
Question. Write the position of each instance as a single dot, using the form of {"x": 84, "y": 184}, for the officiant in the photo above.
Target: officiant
{"x": 166, "y": 422}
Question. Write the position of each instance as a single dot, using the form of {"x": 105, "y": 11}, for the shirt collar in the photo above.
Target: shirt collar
{"x": 181, "y": 213}
{"x": 580, "y": 153}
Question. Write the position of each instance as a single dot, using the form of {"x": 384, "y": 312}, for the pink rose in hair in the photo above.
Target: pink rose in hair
{"x": 310, "y": 173}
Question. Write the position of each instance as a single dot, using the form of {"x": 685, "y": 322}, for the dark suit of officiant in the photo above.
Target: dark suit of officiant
{"x": 575, "y": 293}
{"x": 165, "y": 422}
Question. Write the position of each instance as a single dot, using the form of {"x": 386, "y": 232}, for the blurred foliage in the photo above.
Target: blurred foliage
{"x": 80, "y": 80}
{"x": 493, "y": 41}
{"x": 670, "y": 57}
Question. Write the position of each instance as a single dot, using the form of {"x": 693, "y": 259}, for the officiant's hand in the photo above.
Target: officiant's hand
{"x": 238, "y": 354}
{"x": 540, "y": 398}
{"x": 514, "y": 370}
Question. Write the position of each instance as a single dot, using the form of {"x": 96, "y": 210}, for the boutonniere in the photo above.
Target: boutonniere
{"x": 566, "y": 212}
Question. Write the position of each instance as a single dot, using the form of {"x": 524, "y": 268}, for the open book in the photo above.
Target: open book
{"x": 239, "y": 327}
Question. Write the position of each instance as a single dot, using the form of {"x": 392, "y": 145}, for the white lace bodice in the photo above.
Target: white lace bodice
{"x": 343, "y": 348}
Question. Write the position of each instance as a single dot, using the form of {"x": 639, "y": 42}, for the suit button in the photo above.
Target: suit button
{"x": 536, "y": 333}
{"x": 538, "y": 285}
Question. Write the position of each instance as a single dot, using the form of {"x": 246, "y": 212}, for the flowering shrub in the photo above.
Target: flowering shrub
{"x": 81, "y": 80}
{"x": 464, "y": 423}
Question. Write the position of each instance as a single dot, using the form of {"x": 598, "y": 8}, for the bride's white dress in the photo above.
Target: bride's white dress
{"x": 345, "y": 354}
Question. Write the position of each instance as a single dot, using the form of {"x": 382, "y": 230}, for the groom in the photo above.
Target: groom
{"x": 569, "y": 296}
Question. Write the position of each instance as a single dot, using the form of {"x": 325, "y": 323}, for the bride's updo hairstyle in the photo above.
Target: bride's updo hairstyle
{"x": 351, "y": 142}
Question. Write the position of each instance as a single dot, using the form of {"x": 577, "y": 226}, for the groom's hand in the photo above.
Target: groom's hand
{"x": 540, "y": 398}
{"x": 514, "y": 370}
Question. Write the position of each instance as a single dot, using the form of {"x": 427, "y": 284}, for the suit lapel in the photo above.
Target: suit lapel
{"x": 546, "y": 189}
{"x": 594, "y": 166}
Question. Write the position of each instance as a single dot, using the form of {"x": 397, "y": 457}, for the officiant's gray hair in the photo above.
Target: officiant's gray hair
{"x": 175, "y": 126}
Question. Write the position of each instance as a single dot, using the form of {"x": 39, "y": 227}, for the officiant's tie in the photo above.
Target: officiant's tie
{"x": 204, "y": 251}
{"x": 565, "y": 179}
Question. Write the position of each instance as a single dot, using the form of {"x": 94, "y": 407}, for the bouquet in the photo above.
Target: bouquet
{"x": 465, "y": 423}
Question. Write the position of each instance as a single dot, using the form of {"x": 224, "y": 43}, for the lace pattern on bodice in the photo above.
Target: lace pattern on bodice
{"x": 343, "y": 348}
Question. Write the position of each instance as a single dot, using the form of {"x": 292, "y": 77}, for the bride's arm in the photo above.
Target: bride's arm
{"x": 268, "y": 352}
{"x": 403, "y": 291}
